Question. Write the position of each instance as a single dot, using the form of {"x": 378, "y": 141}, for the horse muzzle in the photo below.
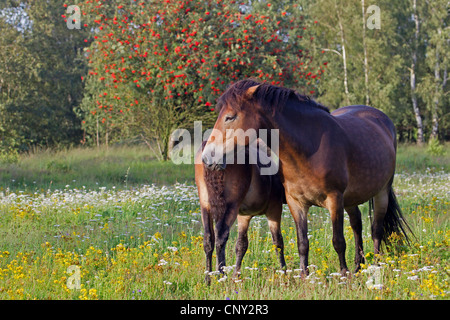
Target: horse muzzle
{"x": 210, "y": 164}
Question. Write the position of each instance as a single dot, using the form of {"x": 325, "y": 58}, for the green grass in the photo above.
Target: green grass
{"x": 127, "y": 166}
{"x": 411, "y": 158}
{"x": 137, "y": 241}
{"x": 91, "y": 168}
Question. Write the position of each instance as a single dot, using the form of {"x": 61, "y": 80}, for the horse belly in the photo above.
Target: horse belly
{"x": 369, "y": 171}
{"x": 258, "y": 194}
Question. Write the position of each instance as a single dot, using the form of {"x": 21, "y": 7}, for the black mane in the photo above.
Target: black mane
{"x": 270, "y": 97}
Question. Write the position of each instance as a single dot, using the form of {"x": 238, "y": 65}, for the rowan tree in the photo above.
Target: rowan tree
{"x": 159, "y": 65}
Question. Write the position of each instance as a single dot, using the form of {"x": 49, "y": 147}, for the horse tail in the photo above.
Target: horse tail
{"x": 394, "y": 222}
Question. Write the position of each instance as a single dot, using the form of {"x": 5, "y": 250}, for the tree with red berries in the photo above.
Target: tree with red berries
{"x": 157, "y": 66}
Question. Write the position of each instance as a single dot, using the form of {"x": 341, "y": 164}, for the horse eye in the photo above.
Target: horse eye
{"x": 230, "y": 118}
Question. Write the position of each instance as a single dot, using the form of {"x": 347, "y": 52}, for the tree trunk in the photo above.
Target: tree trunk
{"x": 366, "y": 62}
{"x": 434, "y": 112}
{"x": 344, "y": 55}
{"x": 415, "y": 106}
{"x": 98, "y": 141}
{"x": 438, "y": 84}
{"x": 413, "y": 78}
{"x": 106, "y": 135}
{"x": 149, "y": 145}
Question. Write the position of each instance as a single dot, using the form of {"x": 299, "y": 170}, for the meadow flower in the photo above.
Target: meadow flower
{"x": 227, "y": 269}
{"x": 251, "y": 269}
{"x": 162, "y": 262}
{"x": 335, "y": 274}
{"x": 134, "y": 246}
{"x": 377, "y": 286}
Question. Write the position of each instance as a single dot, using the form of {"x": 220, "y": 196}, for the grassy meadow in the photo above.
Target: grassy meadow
{"x": 132, "y": 228}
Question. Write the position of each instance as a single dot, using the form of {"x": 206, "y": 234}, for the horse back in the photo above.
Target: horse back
{"x": 361, "y": 119}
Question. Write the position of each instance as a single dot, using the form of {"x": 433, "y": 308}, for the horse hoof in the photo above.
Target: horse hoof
{"x": 345, "y": 273}
{"x": 304, "y": 274}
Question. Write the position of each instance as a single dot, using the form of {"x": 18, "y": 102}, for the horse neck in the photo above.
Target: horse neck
{"x": 301, "y": 128}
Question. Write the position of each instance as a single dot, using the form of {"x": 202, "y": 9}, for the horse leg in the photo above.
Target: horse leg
{"x": 380, "y": 205}
{"x": 242, "y": 242}
{"x": 356, "y": 224}
{"x": 300, "y": 213}
{"x": 274, "y": 216}
{"x": 222, "y": 232}
{"x": 335, "y": 204}
{"x": 208, "y": 241}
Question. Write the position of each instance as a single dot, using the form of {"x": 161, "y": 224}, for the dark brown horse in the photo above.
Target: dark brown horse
{"x": 336, "y": 161}
{"x": 241, "y": 192}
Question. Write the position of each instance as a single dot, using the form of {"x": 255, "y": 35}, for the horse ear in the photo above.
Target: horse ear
{"x": 251, "y": 91}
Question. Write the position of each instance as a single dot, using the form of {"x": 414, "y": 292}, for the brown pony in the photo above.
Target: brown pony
{"x": 241, "y": 192}
{"x": 336, "y": 161}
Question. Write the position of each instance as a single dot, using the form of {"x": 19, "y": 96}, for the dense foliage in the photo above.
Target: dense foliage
{"x": 156, "y": 66}
{"x": 40, "y": 76}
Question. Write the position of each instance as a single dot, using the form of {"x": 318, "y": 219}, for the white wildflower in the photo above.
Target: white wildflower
{"x": 162, "y": 262}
